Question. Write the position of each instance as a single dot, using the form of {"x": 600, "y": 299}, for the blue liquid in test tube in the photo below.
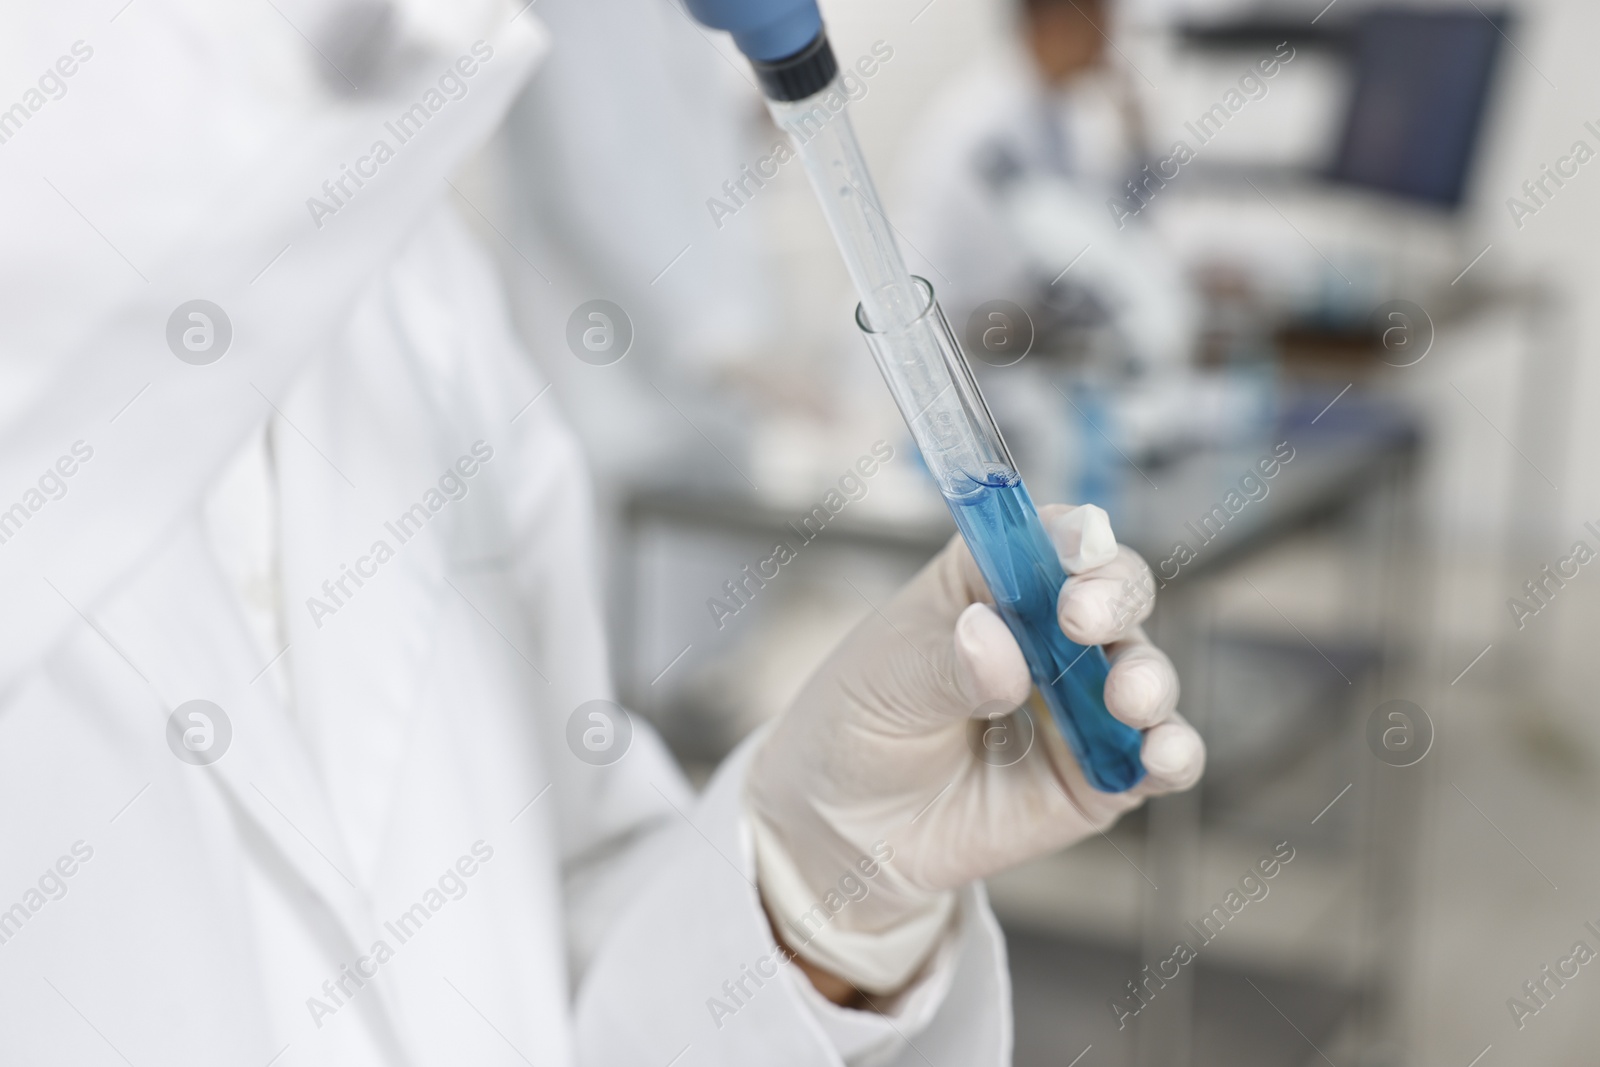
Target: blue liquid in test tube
{"x": 1019, "y": 564}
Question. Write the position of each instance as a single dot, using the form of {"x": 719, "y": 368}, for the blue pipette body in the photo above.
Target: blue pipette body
{"x": 764, "y": 30}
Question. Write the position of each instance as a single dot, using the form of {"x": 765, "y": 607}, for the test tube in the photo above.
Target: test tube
{"x": 933, "y": 386}
{"x": 998, "y": 521}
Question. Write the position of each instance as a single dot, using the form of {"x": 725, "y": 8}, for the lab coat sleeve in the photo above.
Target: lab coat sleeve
{"x": 689, "y": 969}
{"x": 181, "y": 141}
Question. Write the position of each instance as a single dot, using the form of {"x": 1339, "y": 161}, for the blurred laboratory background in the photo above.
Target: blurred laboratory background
{"x": 1297, "y": 291}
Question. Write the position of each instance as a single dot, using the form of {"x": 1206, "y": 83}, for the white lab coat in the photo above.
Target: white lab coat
{"x": 160, "y": 912}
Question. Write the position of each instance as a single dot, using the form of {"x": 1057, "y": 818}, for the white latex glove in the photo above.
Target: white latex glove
{"x": 869, "y": 799}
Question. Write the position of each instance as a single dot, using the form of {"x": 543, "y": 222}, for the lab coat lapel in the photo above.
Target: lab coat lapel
{"x": 358, "y": 676}
{"x": 362, "y": 573}
{"x": 177, "y": 625}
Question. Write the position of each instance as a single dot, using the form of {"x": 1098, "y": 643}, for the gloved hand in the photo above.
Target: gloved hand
{"x": 870, "y": 798}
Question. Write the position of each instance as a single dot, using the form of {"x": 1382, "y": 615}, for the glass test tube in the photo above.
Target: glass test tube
{"x": 933, "y": 386}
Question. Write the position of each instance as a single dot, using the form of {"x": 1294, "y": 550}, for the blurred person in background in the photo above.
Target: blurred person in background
{"x": 1007, "y": 181}
{"x": 307, "y": 754}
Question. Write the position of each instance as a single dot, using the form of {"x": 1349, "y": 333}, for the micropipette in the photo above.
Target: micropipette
{"x": 929, "y": 377}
